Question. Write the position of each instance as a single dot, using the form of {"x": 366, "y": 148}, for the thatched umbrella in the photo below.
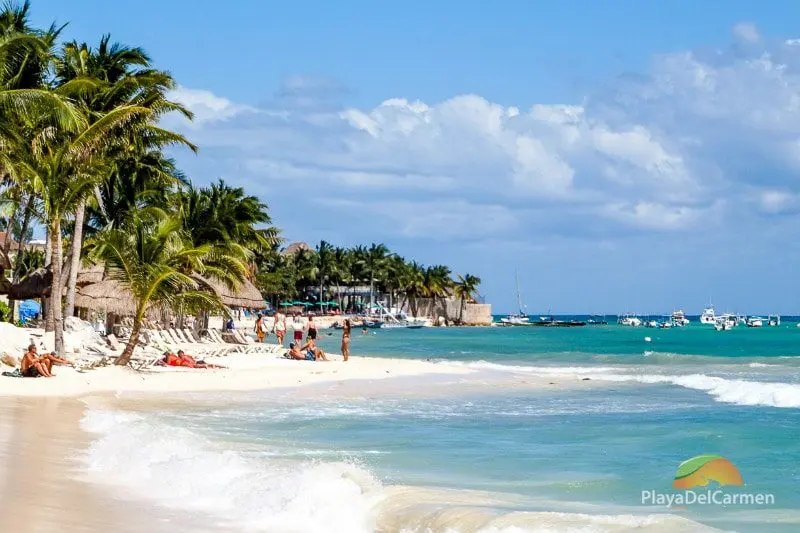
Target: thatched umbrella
{"x": 37, "y": 284}
{"x": 247, "y": 296}
{"x": 108, "y": 295}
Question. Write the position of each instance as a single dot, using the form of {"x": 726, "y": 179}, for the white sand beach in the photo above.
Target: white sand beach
{"x": 244, "y": 372}
{"x": 44, "y": 483}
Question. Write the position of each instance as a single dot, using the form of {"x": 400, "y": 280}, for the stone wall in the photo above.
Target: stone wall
{"x": 450, "y": 309}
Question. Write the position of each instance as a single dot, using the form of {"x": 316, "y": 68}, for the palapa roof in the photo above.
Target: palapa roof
{"x": 246, "y": 296}
{"x": 91, "y": 274}
{"x": 295, "y": 247}
{"x": 37, "y": 284}
{"x": 107, "y": 295}
{"x": 112, "y": 296}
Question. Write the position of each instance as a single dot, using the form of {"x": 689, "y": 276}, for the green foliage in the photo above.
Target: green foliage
{"x": 5, "y": 311}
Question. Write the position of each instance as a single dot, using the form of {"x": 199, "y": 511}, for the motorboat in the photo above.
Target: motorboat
{"x": 516, "y": 320}
{"x": 755, "y": 322}
{"x": 549, "y": 321}
{"x": 651, "y": 324}
{"x": 679, "y": 319}
{"x": 725, "y": 322}
{"x": 628, "y": 320}
{"x": 708, "y": 316}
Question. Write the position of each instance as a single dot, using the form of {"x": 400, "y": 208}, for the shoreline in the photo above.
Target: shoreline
{"x": 45, "y": 487}
{"x": 245, "y": 372}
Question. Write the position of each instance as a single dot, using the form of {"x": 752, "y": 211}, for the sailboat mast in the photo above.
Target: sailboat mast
{"x": 519, "y": 296}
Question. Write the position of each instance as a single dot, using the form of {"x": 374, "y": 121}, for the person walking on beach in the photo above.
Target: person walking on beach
{"x": 260, "y": 328}
{"x": 279, "y": 326}
{"x": 297, "y": 325}
{"x": 346, "y": 339}
{"x": 312, "y": 329}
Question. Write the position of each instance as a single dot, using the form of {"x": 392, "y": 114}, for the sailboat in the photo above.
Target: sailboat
{"x": 521, "y": 317}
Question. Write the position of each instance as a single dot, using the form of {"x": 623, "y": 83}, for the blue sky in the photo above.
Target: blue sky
{"x": 621, "y": 155}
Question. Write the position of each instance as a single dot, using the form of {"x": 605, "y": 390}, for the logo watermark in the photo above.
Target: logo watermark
{"x": 699, "y": 472}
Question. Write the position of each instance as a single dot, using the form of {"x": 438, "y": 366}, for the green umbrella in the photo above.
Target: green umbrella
{"x": 285, "y": 304}
{"x": 332, "y": 303}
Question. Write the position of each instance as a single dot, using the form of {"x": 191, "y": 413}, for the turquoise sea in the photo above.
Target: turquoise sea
{"x": 488, "y": 452}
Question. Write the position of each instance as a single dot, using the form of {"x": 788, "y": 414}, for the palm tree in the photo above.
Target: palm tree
{"x": 101, "y": 80}
{"x": 153, "y": 258}
{"x": 465, "y": 289}
{"x": 413, "y": 284}
{"x": 224, "y": 214}
{"x": 437, "y": 284}
{"x": 342, "y": 273}
{"x": 374, "y": 264}
{"x": 325, "y": 266}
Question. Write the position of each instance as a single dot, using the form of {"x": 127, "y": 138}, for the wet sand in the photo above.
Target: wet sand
{"x": 40, "y": 469}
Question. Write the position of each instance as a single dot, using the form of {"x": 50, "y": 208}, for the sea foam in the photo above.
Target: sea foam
{"x": 182, "y": 469}
{"x": 734, "y": 391}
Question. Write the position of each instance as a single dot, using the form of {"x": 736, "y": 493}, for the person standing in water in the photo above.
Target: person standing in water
{"x": 261, "y": 328}
{"x": 279, "y": 326}
{"x": 297, "y": 325}
{"x": 312, "y": 329}
{"x": 346, "y": 339}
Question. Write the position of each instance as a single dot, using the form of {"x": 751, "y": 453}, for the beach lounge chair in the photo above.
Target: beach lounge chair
{"x": 166, "y": 340}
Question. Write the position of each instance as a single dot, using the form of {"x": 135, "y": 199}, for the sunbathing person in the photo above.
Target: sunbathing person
{"x": 34, "y": 365}
{"x": 295, "y": 353}
{"x": 191, "y": 362}
{"x": 185, "y": 360}
{"x": 311, "y": 350}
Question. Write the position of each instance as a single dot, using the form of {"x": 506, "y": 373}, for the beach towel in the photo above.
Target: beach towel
{"x": 14, "y": 374}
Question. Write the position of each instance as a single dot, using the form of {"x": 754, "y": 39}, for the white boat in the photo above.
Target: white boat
{"x": 755, "y": 322}
{"x": 725, "y": 322}
{"x": 628, "y": 320}
{"x": 651, "y": 324}
{"x": 775, "y": 320}
{"x": 520, "y": 318}
{"x": 708, "y": 316}
{"x": 679, "y": 319}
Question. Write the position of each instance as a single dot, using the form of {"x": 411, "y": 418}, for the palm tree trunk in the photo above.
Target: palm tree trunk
{"x": 371, "y": 290}
{"x": 48, "y": 261}
{"x": 26, "y": 221}
{"x": 10, "y": 230}
{"x": 55, "y": 293}
{"x": 127, "y": 353}
{"x": 77, "y": 245}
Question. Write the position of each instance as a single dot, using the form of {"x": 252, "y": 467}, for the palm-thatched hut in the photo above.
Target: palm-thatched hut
{"x": 246, "y": 296}
{"x": 108, "y": 295}
{"x": 37, "y": 284}
{"x": 89, "y": 275}
{"x": 295, "y": 247}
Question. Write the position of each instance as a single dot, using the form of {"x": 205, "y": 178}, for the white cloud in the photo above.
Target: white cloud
{"x": 205, "y": 105}
{"x": 702, "y": 139}
{"x": 747, "y": 32}
{"x": 656, "y": 216}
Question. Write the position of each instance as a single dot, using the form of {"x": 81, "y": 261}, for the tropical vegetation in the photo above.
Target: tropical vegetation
{"x": 85, "y": 160}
